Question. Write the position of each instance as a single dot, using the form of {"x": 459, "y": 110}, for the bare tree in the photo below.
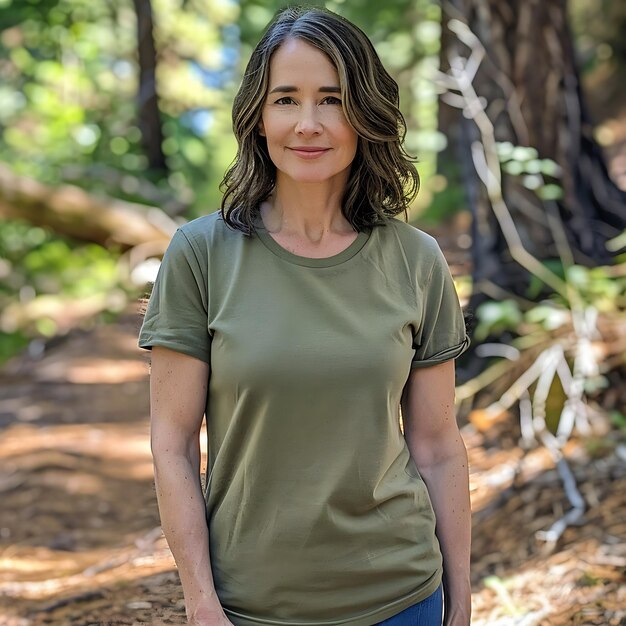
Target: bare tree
{"x": 529, "y": 86}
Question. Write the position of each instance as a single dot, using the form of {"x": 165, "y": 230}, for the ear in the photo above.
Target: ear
{"x": 261, "y": 128}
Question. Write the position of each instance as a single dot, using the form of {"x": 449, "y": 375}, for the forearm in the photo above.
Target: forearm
{"x": 182, "y": 511}
{"x": 448, "y": 486}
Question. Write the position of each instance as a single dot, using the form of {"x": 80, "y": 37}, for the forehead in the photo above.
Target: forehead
{"x": 297, "y": 61}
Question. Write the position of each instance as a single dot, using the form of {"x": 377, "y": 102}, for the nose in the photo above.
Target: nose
{"x": 308, "y": 123}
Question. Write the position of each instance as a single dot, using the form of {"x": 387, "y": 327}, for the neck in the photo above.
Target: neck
{"x": 305, "y": 210}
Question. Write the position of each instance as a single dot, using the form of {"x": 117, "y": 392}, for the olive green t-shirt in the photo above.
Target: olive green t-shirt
{"x": 317, "y": 514}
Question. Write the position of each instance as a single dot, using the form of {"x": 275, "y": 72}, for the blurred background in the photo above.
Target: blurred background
{"x": 115, "y": 128}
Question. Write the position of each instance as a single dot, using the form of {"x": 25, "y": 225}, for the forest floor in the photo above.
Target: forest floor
{"x": 80, "y": 541}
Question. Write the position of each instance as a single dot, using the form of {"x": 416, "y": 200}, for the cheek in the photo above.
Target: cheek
{"x": 344, "y": 131}
{"x": 350, "y": 139}
{"x": 275, "y": 129}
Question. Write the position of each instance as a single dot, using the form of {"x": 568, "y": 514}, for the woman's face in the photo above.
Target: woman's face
{"x": 308, "y": 136}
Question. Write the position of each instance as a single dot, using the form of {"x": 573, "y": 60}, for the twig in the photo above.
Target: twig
{"x": 552, "y": 535}
{"x": 497, "y": 370}
{"x": 77, "y": 597}
{"x": 496, "y": 292}
{"x": 485, "y": 157}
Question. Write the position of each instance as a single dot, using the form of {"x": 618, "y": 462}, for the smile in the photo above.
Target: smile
{"x": 309, "y": 153}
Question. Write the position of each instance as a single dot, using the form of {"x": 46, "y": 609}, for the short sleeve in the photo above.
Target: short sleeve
{"x": 441, "y": 336}
{"x": 177, "y": 312}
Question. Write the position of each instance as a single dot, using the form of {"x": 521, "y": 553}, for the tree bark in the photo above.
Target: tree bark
{"x": 71, "y": 211}
{"x": 148, "y": 113}
{"x": 531, "y": 85}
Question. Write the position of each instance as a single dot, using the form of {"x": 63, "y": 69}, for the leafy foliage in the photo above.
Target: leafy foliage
{"x": 68, "y": 89}
{"x": 41, "y": 274}
{"x": 599, "y": 287}
{"x": 68, "y": 113}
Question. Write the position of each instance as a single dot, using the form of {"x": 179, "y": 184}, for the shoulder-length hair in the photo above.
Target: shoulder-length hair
{"x": 383, "y": 179}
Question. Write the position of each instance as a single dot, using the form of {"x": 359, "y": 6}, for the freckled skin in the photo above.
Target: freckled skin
{"x": 435, "y": 443}
{"x": 178, "y": 387}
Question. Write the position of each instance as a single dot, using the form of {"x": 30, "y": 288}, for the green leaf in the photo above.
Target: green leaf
{"x": 513, "y": 167}
{"x": 532, "y": 182}
{"x": 550, "y": 168}
{"x": 550, "y": 192}
{"x": 497, "y": 317}
{"x": 504, "y": 150}
{"x": 524, "y": 153}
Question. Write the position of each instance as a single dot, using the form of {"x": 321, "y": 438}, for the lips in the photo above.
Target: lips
{"x": 309, "y": 152}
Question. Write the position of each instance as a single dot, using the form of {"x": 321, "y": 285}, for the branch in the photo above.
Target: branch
{"x": 485, "y": 157}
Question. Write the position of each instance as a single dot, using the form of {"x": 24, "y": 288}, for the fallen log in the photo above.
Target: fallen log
{"x": 70, "y": 210}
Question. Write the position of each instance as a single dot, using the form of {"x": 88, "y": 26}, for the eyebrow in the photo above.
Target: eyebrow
{"x": 293, "y": 89}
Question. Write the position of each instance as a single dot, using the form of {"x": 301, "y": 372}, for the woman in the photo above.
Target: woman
{"x": 299, "y": 319}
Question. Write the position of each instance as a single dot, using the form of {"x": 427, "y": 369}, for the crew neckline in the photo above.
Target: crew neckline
{"x": 341, "y": 257}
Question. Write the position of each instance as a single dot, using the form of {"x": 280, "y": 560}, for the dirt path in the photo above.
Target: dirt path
{"x": 80, "y": 541}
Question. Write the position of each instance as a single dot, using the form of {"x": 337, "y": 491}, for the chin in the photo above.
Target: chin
{"x": 313, "y": 176}
{"x": 312, "y": 179}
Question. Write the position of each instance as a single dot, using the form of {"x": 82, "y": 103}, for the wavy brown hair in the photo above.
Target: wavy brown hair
{"x": 382, "y": 181}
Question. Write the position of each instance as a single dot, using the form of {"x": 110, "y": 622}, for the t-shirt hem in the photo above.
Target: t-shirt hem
{"x": 364, "y": 619}
{"x": 147, "y": 344}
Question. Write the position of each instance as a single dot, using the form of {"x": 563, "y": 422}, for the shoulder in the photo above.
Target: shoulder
{"x": 205, "y": 228}
{"x": 419, "y": 247}
{"x": 208, "y": 234}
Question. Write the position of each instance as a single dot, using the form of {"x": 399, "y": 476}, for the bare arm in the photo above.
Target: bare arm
{"x": 178, "y": 388}
{"x": 435, "y": 443}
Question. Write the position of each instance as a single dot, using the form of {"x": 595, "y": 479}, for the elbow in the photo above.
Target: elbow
{"x": 163, "y": 452}
{"x": 428, "y": 455}
{"x": 158, "y": 448}
{"x": 168, "y": 450}
{"x": 159, "y": 462}
{"x": 158, "y": 454}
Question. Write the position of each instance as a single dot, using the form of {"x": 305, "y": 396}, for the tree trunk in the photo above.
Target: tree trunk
{"x": 149, "y": 115}
{"x": 532, "y": 89}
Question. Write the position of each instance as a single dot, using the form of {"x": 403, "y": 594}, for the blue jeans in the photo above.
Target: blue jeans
{"x": 428, "y": 612}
